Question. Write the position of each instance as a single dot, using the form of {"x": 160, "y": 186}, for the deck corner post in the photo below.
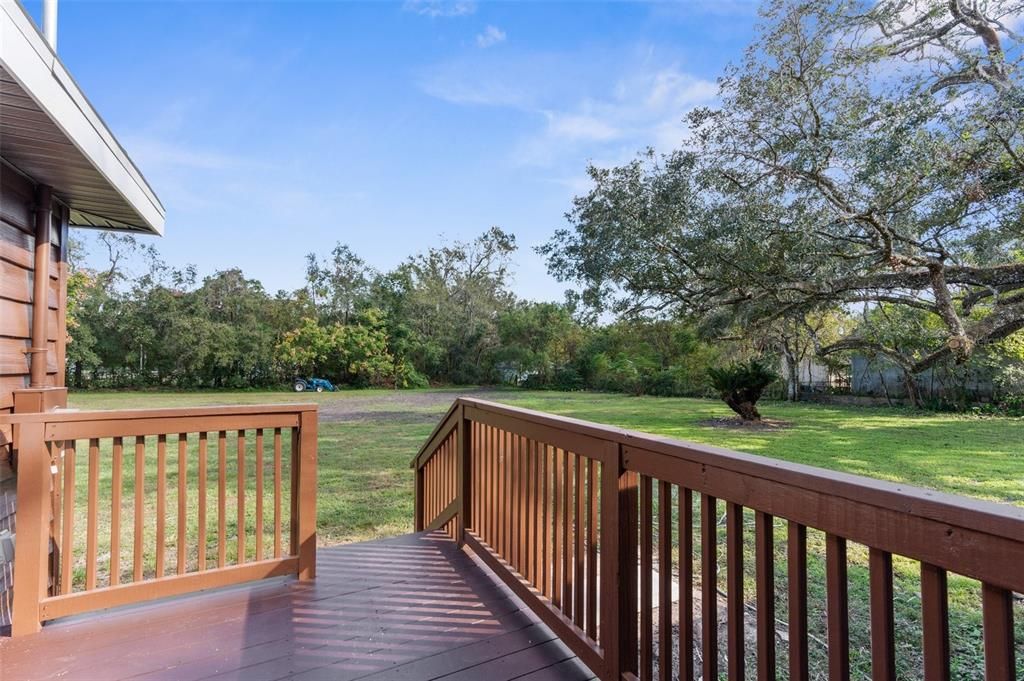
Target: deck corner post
{"x": 618, "y": 574}
{"x": 305, "y": 493}
{"x": 32, "y": 518}
{"x": 465, "y": 478}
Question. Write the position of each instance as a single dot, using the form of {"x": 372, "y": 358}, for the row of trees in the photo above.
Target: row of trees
{"x": 445, "y": 316}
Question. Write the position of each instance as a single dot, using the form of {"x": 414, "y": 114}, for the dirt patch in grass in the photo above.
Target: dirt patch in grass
{"x": 762, "y": 426}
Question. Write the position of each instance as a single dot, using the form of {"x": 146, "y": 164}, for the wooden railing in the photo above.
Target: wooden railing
{"x": 116, "y": 507}
{"x": 593, "y": 526}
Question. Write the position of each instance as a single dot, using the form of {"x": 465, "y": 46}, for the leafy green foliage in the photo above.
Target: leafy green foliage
{"x": 741, "y": 385}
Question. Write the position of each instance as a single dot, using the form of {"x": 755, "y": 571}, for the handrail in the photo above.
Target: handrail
{"x": 561, "y": 509}
{"x": 273, "y": 452}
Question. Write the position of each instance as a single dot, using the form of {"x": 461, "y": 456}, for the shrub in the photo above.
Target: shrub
{"x": 740, "y": 386}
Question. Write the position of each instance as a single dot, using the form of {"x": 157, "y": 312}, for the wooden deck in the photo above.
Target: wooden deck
{"x": 411, "y": 608}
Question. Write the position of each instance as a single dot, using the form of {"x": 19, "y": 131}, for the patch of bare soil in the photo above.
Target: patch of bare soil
{"x": 764, "y": 425}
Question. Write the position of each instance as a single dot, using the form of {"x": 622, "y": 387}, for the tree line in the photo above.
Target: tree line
{"x": 857, "y": 190}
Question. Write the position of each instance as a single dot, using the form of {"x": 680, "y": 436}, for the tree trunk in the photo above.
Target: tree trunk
{"x": 745, "y": 408}
{"x": 913, "y": 393}
{"x": 793, "y": 370}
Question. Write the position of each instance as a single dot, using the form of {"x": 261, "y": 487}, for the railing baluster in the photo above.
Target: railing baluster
{"x": 646, "y": 581}
{"x": 837, "y": 602}
{"x": 579, "y": 530}
{"x": 140, "y": 516}
{"x": 56, "y": 451}
{"x": 92, "y": 522}
{"x": 278, "y": 482}
{"x": 240, "y": 499}
{"x": 997, "y": 614}
{"x": 161, "y": 502}
{"x": 182, "y": 554}
{"x": 545, "y": 513}
{"x": 709, "y": 584}
{"x": 764, "y": 557}
{"x": 222, "y": 494}
{"x": 686, "y": 584}
{"x": 734, "y": 575}
{"x": 796, "y": 566}
{"x": 883, "y": 645}
{"x": 567, "y": 503}
{"x": 529, "y": 512}
{"x": 558, "y": 526}
{"x": 592, "y": 522}
{"x": 535, "y": 565}
{"x": 259, "y": 494}
{"x": 516, "y": 504}
{"x": 201, "y": 501}
{"x": 116, "y": 472}
{"x": 664, "y": 581}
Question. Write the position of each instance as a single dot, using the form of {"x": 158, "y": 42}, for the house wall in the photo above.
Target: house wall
{"x": 17, "y": 264}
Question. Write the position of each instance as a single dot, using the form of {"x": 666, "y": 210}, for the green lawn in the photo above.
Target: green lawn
{"x": 368, "y": 437}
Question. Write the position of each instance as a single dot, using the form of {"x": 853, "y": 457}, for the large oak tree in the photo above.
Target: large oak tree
{"x": 862, "y": 154}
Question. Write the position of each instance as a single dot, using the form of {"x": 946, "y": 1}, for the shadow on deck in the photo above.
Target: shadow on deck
{"x": 413, "y": 607}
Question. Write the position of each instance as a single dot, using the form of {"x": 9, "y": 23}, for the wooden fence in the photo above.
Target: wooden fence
{"x": 592, "y": 526}
{"x": 235, "y": 500}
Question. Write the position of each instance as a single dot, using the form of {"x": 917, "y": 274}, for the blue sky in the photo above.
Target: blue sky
{"x": 273, "y": 129}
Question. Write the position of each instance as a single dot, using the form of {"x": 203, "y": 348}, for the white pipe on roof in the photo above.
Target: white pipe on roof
{"x": 50, "y": 23}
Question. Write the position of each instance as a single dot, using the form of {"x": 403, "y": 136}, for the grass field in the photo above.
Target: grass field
{"x": 368, "y": 437}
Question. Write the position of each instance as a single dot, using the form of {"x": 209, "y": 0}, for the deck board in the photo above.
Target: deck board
{"x": 411, "y": 608}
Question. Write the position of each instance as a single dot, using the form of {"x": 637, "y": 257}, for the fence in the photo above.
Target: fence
{"x": 235, "y": 500}
{"x": 592, "y": 527}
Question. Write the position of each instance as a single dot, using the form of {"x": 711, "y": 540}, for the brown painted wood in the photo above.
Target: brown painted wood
{"x": 900, "y": 532}
{"x": 734, "y": 586}
{"x": 646, "y": 577}
{"x": 883, "y": 629}
{"x": 92, "y": 522}
{"x": 935, "y": 622}
{"x": 621, "y": 584}
{"x": 709, "y": 584}
{"x": 161, "y": 503}
{"x": 68, "y": 522}
{"x": 764, "y": 558}
{"x": 568, "y": 489}
{"x": 997, "y": 616}
{"x": 306, "y": 462}
{"x": 278, "y": 484}
{"x": 201, "y": 469}
{"x": 222, "y": 494}
{"x": 559, "y": 529}
{"x": 686, "y": 629}
{"x": 579, "y": 551}
{"x": 796, "y": 566}
{"x": 32, "y": 555}
{"x": 664, "y": 581}
{"x": 259, "y": 494}
{"x": 116, "y": 486}
{"x": 592, "y": 529}
{"x": 837, "y": 602}
{"x": 240, "y": 479}
{"x": 182, "y": 522}
{"x": 140, "y": 511}
{"x": 546, "y": 514}
{"x": 120, "y": 423}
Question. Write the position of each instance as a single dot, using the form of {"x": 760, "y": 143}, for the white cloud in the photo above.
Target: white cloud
{"x": 491, "y": 36}
{"x": 572, "y": 126}
{"x": 440, "y": 8}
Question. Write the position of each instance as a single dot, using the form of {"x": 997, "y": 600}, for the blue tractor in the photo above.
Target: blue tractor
{"x": 318, "y": 384}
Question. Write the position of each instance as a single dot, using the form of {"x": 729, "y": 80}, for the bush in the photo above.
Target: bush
{"x": 741, "y": 385}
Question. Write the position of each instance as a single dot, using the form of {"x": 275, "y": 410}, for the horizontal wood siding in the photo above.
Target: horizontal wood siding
{"x": 17, "y": 242}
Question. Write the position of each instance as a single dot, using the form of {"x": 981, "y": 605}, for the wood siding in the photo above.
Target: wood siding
{"x": 17, "y": 242}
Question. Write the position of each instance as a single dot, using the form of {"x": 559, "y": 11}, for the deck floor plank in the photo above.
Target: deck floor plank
{"x": 410, "y": 608}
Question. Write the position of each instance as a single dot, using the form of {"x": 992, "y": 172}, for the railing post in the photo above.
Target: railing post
{"x": 618, "y": 575}
{"x": 32, "y": 521}
{"x": 418, "y": 503}
{"x": 304, "y": 543}
{"x": 465, "y": 477}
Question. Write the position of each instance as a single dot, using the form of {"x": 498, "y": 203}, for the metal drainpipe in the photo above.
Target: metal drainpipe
{"x": 50, "y": 23}
{"x": 41, "y": 287}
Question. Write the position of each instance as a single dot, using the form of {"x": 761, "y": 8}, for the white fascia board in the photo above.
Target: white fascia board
{"x": 25, "y": 55}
